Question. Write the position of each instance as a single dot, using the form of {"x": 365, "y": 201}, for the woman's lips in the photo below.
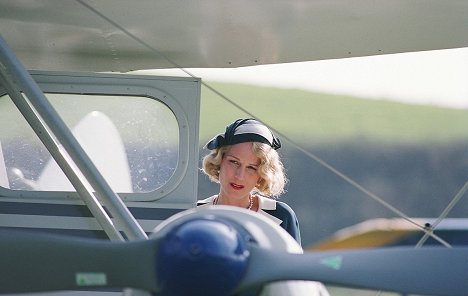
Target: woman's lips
{"x": 236, "y": 186}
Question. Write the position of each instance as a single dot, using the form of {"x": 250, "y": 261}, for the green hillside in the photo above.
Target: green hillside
{"x": 308, "y": 117}
{"x": 413, "y": 157}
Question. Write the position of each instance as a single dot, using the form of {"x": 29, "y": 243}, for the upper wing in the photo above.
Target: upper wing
{"x": 118, "y": 35}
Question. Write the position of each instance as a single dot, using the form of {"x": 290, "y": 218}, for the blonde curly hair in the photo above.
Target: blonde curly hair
{"x": 271, "y": 170}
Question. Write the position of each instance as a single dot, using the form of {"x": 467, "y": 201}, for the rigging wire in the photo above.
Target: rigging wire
{"x": 347, "y": 179}
{"x": 444, "y": 213}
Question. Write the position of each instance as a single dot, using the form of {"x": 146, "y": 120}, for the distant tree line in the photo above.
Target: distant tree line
{"x": 419, "y": 180}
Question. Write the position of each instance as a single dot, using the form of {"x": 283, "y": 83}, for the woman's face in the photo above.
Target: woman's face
{"x": 238, "y": 172}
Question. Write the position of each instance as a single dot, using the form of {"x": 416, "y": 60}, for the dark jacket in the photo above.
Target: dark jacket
{"x": 278, "y": 211}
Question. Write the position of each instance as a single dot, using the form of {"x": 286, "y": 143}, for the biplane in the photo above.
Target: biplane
{"x": 98, "y": 166}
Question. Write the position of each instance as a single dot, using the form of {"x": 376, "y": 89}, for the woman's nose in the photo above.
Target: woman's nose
{"x": 239, "y": 173}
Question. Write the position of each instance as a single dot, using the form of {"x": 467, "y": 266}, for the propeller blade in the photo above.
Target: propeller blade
{"x": 427, "y": 271}
{"x": 209, "y": 247}
{"x": 33, "y": 262}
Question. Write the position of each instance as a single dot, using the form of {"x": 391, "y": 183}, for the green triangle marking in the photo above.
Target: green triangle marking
{"x": 332, "y": 262}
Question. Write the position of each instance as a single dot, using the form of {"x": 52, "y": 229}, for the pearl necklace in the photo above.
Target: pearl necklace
{"x": 215, "y": 202}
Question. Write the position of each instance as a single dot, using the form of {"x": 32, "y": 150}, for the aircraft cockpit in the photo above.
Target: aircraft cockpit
{"x": 147, "y": 153}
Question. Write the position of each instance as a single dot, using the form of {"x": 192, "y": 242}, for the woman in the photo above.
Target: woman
{"x": 245, "y": 163}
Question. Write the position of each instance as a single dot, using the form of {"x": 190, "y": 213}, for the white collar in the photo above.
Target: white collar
{"x": 264, "y": 203}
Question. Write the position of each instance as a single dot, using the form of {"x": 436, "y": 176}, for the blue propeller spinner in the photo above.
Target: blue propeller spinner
{"x": 200, "y": 250}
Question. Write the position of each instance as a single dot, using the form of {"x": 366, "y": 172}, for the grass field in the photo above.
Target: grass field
{"x": 313, "y": 119}
{"x": 308, "y": 117}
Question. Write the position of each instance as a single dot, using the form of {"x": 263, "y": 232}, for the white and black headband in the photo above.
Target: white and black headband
{"x": 245, "y": 130}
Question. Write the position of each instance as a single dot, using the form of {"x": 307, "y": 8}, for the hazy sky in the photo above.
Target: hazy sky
{"x": 431, "y": 77}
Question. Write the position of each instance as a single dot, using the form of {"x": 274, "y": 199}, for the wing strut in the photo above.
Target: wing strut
{"x": 65, "y": 149}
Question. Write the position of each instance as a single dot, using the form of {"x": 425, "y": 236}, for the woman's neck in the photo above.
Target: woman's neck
{"x": 245, "y": 202}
